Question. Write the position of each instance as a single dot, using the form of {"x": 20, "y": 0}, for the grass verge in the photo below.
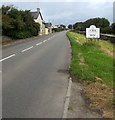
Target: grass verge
{"x": 93, "y": 65}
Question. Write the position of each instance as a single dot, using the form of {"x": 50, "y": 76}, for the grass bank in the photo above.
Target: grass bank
{"x": 89, "y": 61}
{"x": 93, "y": 63}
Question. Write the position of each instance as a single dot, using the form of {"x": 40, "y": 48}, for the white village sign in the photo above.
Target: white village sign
{"x": 92, "y": 32}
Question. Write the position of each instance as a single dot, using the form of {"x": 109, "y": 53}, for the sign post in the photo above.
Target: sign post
{"x": 92, "y": 32}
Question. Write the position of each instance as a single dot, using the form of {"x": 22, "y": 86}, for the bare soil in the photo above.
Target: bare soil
{"x": 78, "y": 104}
{"x": 101, "y": 98}
{"x": 90, "y": 100}
{"x": 109, "y": 52}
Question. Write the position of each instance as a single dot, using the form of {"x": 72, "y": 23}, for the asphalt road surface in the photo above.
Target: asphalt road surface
{"x": 33, "y": 82}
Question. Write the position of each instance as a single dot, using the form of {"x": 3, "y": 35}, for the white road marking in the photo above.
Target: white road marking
{"x": 39, "y": 43}
{"x": 7, "y": 57}
{"x": 52, "y": 37}
{"x": 27, "y": 49}
{"x": 44, "y": 40}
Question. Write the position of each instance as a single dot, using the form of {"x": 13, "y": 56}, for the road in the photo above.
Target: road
{"x": 33, "y": 85}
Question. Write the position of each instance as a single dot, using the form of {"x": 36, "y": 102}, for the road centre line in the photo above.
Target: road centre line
{"x": 44, "y": 40}
{"x": 22, "y": 50}
{"x": 27, "y": 49}
{"x": 7, "y": 57}
{"x": 39, "y": 43}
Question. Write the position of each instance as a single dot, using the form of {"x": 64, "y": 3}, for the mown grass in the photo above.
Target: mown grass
{"x": 97, "y": 64}
{"x": 101, "y": 43}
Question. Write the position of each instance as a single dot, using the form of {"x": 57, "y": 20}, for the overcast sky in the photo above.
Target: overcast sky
{"x": 68, "y": 12}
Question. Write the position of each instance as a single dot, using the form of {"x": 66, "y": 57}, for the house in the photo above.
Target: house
{"x": 49, "y": 27}
{"x": 55, "y": 26}
{"x": 39, "y": 19}
{"x": 46, "y": 31}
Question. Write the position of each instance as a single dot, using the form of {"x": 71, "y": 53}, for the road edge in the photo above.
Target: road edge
{"x": 22, "y": 40}
{"x": 68, "y": 94}
{"x": 67, "y": 99}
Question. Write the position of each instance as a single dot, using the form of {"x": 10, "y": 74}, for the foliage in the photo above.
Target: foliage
{"x": 70, "y": 26}
{"x": 23, "y": 34}
{"x": 17, "y": 23}
{"x": 101, "y": 23}
{"x": 62, "y": 26}
{"x": 5, "y": 9}
{"x": 58, "y": 29}
{"x": 106, "y": 30}
{"x": 113, "y": 28}
{"x": 79, "y": 26}
{"x": 98, "y": 22}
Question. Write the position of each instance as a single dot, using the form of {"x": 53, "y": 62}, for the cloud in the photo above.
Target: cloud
{"x": 75, "y": 12}
{"x": 59, "y": 1}
{"x": 69, "y": 12}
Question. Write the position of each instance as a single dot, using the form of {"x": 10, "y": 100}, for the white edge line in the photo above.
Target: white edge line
{"x": 27, "y": 49}
{"x": 7, "y": 57}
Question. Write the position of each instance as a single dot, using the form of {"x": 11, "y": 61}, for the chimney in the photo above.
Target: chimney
{"x": 38, "y": 10}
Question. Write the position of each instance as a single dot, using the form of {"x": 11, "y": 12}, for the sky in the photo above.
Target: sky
{"x": 67, "y": 11}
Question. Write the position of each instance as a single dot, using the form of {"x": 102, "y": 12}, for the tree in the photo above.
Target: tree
{"x": 79, "y": 26}
{"x": 17, "y": 23}
{"x": 98, "y": 22}
{"x": 5, "y": 9}
{"x": 70, "y": 26}
{"x": 102, "y": 23}
{"x": 106, "y": 30}
{"x": 113, "y": 28}
{"x": 62, "y": 26}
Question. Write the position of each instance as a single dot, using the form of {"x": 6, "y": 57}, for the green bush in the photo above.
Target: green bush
{"x": 58, "y": 29}
{"x": 37, "y": 27}
{"x": 23, "y": 34}
{"x": 18, "y": 24}
{"x": 106, "y": 30}
{"x": 113, "y": 28}
{"x": 33, "y": 31}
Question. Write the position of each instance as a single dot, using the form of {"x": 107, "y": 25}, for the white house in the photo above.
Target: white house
{"x": 39, "y": 19}
{"x": 49, "y": 27}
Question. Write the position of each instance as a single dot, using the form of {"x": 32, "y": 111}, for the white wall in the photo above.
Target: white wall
{"x": 39, "y": 20}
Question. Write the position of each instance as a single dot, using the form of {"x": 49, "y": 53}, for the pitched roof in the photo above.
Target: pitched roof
{"x": 36, "y": 14}
{"x": 48, "y": 25}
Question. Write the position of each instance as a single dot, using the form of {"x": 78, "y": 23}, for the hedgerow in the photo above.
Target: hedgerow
{"x": 18, "y": 23}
